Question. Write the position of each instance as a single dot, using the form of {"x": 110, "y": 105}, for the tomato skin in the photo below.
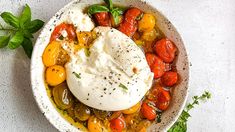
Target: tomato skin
{"x": 63, "y": 26}
{"x": 129, "y": 24}
{"x": 147, "y": 111}
{"x": 163, "y": 98}
{"x": 166, "y": 50}
{"x": 103, "y": 19}
{"x": 169, "y": 78}
{"x": 151, "y": 58}
{"x": 158, "y": 68}
{"x": 118, "y": 124}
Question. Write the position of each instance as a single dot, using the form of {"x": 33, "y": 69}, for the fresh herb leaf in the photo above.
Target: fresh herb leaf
{"x": 123, "y": 86}
{"x": 34, "y": 25}
{"x": 158, "y": 119}
{"x": 140, "y": 16}
{"x": 109, "y": 3}
{"x": 10, "y": 19}
{"x": 61, "y": 37}
{"x": 77, "y": 75}
{"x": 25, "y": 16}
{"x": 28, "y": 47}
{"x": 96, "y": 9}
{"x": 4, "y": 41}
{"x": 116, "y": 14}
{"x": 181, "y": 124}
{"x": 27, "y": 34}
{"x": 87, "y": 52}
{"x": 21, "y": 32}
{"x": 16, "y": 40}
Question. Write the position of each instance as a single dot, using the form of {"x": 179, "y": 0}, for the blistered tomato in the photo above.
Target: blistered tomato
{"x": 166, "y": 50}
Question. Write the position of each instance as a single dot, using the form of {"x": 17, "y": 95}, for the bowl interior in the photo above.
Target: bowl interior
{"x": 37, "y": 68}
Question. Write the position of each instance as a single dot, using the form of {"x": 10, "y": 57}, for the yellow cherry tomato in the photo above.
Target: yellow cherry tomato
{"x": 95, "y": 125}
{"x": 55, "y": 75}
{"x": 147, "y": 22}
{"x": 149, "y": 35}
{"x": 133, "y": 109}
{"x": 51, "y": 53}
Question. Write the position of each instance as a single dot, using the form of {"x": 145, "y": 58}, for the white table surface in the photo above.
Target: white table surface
{"x": 208, "y": 29}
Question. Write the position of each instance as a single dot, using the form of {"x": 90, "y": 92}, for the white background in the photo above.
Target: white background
{"x": 208, "y": 29}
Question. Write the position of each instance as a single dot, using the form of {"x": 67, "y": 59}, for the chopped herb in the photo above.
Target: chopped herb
{"x": 61, "y": 37}
{"x": 77, "y": 75}
{"x": 87, "y": 52}
{"x": 123, "y": 87}
{"x": 159, "y": 117}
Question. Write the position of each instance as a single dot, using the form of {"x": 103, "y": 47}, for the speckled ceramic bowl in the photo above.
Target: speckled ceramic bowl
{"x": 37, "y": 68}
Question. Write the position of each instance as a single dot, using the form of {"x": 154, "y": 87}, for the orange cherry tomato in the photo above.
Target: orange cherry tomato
{"x": 169, "y": 78}
{"x": 148, "y": 111}
{"x": 103, "y": 19}
{"x": 69, "y": 28}
{"x": 163, "y": 98}
{"x": 158, "y": 68}
{"x": 129, "y": 24}
{"x": 118, "y": 124}
{"x": 166, "y": 50}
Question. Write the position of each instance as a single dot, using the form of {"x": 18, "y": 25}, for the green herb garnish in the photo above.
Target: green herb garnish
{"x": 181, "y": 124}
{"x": 77, "y": 75}
{"x": 123, "y": 87}
{"x": 19, "y": 31}
{"x": 115, "y": 11}
{"x": 87, "y": 52}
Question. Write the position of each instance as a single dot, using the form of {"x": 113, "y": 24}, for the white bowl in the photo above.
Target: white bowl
{"x": 37, "y": 68}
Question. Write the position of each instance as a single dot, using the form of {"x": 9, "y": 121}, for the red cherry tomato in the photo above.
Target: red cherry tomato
{"x": 165, "y": 49}
{"x": 148, "y": 111}
{"x": 169, "y": 78}
{"x": 129, "y": 24}
{"x": 118, "y": 124}
{"x": 151, "y": 58}
{"x": 103, "y": 19}
{"x": 163, "y": 98}
{"x": 156, "y": 65}
{"x": 158, "y": 68}
{"x": 69, "y": 28}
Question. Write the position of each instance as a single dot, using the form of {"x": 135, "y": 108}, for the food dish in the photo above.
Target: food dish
{"x": 104, "y": 48}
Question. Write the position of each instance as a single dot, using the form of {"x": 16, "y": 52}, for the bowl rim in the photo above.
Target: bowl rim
{"x": 33, "y": 85}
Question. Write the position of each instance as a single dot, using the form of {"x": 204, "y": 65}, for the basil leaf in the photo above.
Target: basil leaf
{"x": 96, "y": 9}
{"x": 10, "y": 19}
{"x": 16, "y": 40}
{"x": 34, "y": 25}
{"x": 28, "y": 47}
{"x": 25, "y": 16}
{"x": 109, "y": 3}
{"x": 4, "y": 41}
{"x": 123, "y": 86}
{"x": 27, "y": 34}
{"x": 120, "y": 10}
{"x": 116, "y": 13}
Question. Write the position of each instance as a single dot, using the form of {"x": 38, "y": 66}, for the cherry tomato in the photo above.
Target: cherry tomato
{"x": 158, "y": 68}
{"x": 165, "y": 49}
{"x": 118, "y": 124}
{"x": 129, "y": 24}
{"x": 69, "y": 28}
{"x": 151, "y": 58}
{"x": 169, "y": 78}
{"x": 163, "y": 98}
{"x": 103, "y": 19}
{"x": 148, "y": 111}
